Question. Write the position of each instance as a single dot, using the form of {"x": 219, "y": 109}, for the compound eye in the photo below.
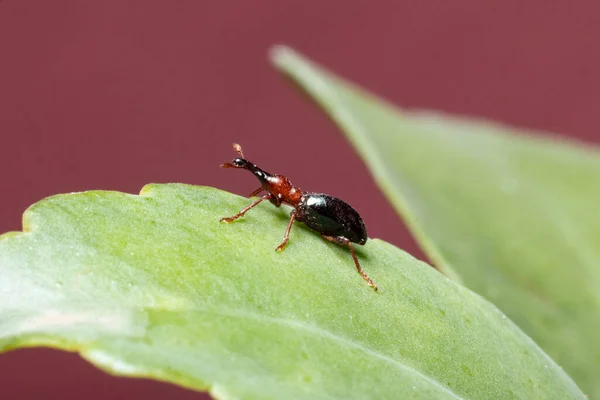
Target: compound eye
{"x": 238, "y": 162}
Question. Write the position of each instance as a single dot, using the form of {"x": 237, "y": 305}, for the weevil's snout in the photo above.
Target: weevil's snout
{"x": 236, "y": 163}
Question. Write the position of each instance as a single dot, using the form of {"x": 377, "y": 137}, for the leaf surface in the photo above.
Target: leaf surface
{"x": 513, "y": 213}
{"x": 153, "y": 285}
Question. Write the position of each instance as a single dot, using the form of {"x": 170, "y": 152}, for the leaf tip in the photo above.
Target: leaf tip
{"x": 284, "y": 57}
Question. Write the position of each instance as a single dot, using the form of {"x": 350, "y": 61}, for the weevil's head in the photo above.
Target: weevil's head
{"x": 239, "y": 162}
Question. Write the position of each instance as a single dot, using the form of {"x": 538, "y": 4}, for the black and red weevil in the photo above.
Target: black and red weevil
{"x": 333, "y": 218}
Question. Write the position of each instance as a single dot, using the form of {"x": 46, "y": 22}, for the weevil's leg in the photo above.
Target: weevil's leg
{"x": 360, "y": 270}
{"x": 257, "y": 191}
{"x": 345, "y": 242}
{"x": 245, "y": 210}
{"x": 286, "y": 236}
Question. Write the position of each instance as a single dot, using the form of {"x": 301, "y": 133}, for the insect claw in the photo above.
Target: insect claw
{"x": 280, "y": 247}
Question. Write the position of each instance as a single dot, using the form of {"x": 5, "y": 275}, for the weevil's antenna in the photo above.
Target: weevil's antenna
{"x": 238, "y": 148}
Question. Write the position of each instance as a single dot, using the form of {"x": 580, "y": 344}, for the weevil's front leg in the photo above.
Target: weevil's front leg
{"x": 286, "y": 236}
{"x": 257, "y": 191}
{"x": 345, "y": 242}
{"x": 245, "y": 210}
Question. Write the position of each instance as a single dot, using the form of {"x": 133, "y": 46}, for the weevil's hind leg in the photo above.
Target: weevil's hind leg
{"x": 245, "y": 210}
{"x": 360, "y": 270}
{"x": 345, "y": 242}
{"x": 257, "y": 191}
{"x": 286, "y": 236}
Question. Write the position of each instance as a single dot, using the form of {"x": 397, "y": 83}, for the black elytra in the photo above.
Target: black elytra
{"x": 333, "y": 218}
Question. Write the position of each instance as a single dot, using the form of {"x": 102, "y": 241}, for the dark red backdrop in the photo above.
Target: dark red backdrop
{"x": 116, "y": 94}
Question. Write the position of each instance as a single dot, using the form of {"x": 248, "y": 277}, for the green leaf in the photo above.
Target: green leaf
{"x": 515, "y": 214}
{"x": 153, "y": 285}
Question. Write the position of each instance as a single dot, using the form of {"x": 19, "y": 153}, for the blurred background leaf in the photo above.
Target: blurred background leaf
{"x": 514, "y": 213}
{"x": 154, "y": 286}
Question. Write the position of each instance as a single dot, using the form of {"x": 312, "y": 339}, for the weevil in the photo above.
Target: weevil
{"x": 333, "y": 218}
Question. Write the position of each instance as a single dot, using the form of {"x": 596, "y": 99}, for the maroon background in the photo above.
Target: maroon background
{"x": 117, "y": 94}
